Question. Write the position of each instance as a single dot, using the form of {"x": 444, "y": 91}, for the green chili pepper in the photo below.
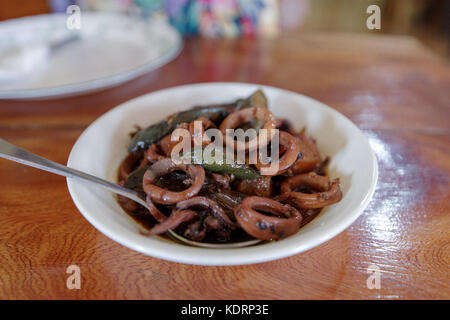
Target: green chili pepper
{"x": 240, "y": 171}
{"x": 144, "y": 138}
{"x": 216, "y": 113}
{"x": 257, "y": 99}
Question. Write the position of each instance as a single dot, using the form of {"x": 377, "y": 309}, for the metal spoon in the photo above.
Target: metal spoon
{"x": 14, "y": 153}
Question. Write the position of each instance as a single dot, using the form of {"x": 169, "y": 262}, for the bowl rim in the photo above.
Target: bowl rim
{"x": 222, "y": 257}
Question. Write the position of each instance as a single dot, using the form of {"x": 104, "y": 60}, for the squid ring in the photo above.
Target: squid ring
{"x": 330, "y": 191}
{"x": 173, "y": 221}
{"x": 153, "y": 154}
{"x": 164, "y": 196}
{"x": 154, "y": 211}
{"x": 310, "y": 154}
{"x": 199, "y": 138}
{"x": 166, "y": 144}
{"x": 240, "y": 117}
{"x": 204, "y": 202}
{"x": 285, "y": 223}
{"x": 292, "y": 149}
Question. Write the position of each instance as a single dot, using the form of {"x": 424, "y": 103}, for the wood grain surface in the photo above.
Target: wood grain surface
{"x": 393, "y": 88}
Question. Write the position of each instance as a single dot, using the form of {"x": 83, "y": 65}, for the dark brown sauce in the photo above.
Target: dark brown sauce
{"x": 174, "y": 181}
{"x": 178, "y": 181}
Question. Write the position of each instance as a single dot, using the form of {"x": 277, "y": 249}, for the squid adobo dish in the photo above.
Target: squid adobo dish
{"x": 211, "y": 199}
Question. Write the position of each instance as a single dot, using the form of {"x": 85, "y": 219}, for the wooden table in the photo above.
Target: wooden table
{"x": 393, "y": 88}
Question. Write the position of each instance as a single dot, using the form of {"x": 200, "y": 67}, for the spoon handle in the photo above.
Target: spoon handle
{"x": 14, "y": 153}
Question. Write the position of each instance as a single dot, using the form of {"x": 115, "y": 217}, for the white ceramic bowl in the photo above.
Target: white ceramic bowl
{"x": 103, "y": 145}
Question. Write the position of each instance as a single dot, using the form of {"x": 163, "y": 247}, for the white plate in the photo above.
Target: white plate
{"x": 113, "y": 48}
{"x": 102, "y": 146}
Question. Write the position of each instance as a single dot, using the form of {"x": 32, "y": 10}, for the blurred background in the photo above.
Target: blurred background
{"x": 429, "y": 21}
